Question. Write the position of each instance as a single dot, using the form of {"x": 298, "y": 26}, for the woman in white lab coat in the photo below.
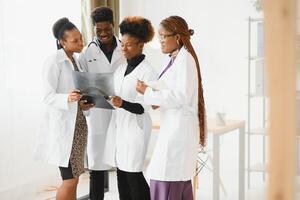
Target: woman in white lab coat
{"x": 63, "y": 132}
{"x": 102, "y": 55}
{"x": 179, "y": 96}
{"x": 129, "y": 131}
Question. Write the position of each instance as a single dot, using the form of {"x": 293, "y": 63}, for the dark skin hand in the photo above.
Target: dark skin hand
{"x": 74, "y": 95}
{"x": 85, "y": 106}
{"x": 141, "y": 88}
{"x": 155, "y": 107}
{"x": 117, "y": 101}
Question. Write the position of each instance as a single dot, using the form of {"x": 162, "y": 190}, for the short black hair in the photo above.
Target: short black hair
{"x": 102, "y": 14}
{"x": 138, "y": 27}
{"x": 60, "y": 26}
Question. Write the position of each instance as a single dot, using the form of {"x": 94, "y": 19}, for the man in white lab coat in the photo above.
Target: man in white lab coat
{"x": 102, "y": 55}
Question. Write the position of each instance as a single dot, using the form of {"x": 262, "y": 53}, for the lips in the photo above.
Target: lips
{"x": 104, "y": 37}
{"x": 126, "y": 55}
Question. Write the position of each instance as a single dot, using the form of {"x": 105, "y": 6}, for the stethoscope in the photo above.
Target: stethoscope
{"x": 96, "y": 43}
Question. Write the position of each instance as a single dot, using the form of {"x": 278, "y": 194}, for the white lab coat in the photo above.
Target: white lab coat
{"x": 128, "y": 133}
{"x": 93, "y": 60}
{"x": 58, "y": 123}
{"x": 175, "y": 154}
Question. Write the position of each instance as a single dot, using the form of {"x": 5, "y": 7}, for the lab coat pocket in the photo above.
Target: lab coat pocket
{"x": 144, "y": 128}
{"x": 55, "y": 122}
{"x": 135, "y": 129}
{"x": 140, "y": 121}
{"x": 175, "y": 148}
{"x": 110, "y": 142}
{"x": 98, "y": 121}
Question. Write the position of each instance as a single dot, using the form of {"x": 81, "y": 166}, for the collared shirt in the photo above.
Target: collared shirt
{"x": 135, "y": 108}
{"x": 133, "y": 62}
{"x": 108, "y": 53}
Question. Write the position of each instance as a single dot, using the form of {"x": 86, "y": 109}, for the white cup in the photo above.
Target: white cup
{"x": 221, "y": 119}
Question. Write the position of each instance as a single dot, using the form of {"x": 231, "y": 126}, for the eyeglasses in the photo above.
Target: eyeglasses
{"x": 163, "y": 37}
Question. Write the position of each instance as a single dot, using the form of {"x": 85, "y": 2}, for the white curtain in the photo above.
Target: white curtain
{"x": 25, "y": 41}
{"x": 86, "y": 8}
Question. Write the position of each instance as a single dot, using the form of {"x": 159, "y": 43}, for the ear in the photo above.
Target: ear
{"x": 177, "y": 37}
{"x": 62, "y": 42}
{"x": 141, "y": 45}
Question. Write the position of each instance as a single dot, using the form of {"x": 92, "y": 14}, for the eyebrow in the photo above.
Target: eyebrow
{"x": 108, "y": 27}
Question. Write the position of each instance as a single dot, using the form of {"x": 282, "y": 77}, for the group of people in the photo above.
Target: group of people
{"x": 74, "y": 133}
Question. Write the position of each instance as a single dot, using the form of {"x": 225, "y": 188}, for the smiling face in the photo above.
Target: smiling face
{"x": 168, "y": 40}
{"x": 72, "y": 41}
{"x": 104, "y": 31}
{"x": 131, "y": 46}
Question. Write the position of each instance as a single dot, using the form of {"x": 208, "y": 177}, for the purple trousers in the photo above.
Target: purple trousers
{"x": 171, "y": 190}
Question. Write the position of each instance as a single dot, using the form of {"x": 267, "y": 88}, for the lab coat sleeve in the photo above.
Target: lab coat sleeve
{"x": 51, "y": 75}
{"x": 182, "y": 90}
{"x": 149, "y": 75}
{"x": 83, "y": 63}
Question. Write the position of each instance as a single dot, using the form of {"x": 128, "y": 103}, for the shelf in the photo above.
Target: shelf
{"x": 253, "y": 95}
{"x": 259, "y": 131}
{"x": 255, "y": 19}
{"x": 259, "y": 167}
{"x": 255, "y": 58}
{"x": 263, "y": 132}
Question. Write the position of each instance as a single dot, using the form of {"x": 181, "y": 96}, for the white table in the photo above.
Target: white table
{"x": 217, "y": 132}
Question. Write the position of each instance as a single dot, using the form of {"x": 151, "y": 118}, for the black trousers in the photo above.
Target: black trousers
{"x": 132, "y": 186}
{"x": 97, "y": 184}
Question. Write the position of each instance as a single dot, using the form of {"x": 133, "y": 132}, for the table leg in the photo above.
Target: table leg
{"x": 216, "y": 166}
{"x": 241, "y": 183}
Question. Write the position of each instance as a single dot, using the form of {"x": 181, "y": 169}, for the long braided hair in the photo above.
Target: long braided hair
{"x": 178, "y": 25}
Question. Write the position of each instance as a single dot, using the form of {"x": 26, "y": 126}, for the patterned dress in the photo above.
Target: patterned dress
{"x": 79, "y": 140}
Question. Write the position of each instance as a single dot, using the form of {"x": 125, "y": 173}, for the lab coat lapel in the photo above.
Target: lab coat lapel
{"x": 175, "y": 63}
{"x": 101, "y": 52}
{"x": 62, "y": 57}
{"x": 117, "y": 54}
{"x": 119, "y": 78}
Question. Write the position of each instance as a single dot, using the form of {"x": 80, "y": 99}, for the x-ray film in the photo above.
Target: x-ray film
{"x": 95, "y": 87}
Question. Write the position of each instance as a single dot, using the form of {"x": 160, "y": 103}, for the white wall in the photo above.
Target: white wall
{"x": 26, "y": 40}
{"x": 220, "y": 40}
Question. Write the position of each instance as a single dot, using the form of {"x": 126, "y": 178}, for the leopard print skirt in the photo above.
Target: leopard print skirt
{"x": 79, "y": 144}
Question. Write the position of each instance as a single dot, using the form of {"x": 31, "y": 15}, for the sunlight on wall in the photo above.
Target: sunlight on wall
{"x": 26, "y": 40}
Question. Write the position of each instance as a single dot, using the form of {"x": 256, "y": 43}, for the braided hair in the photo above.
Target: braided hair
{"x": 179, "y": 26}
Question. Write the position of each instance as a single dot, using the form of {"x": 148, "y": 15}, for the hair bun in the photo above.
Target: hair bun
{"x": 58, "y": 25}
{"x": 191, "y": 31}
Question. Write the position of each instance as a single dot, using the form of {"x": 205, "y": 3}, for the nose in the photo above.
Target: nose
{"x": 123, "y": 48}
{"x": 81, "y": 44}
{"x": 161, "y": 42}
{"x": 103, "y": 34}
